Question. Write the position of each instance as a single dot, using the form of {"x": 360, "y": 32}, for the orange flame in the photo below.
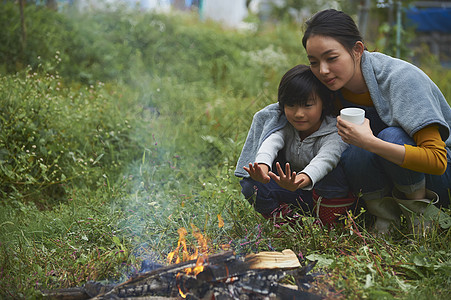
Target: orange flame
{"x": 182, "y": 242}
{"x": 200, "y": 253}
{"x": 182, "y": 294}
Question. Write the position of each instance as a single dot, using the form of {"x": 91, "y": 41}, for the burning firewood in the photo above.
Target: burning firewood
{"x": 224, "y": 276}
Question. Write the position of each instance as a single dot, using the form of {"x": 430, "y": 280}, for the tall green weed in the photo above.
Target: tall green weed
{"x": 53, "y": 136}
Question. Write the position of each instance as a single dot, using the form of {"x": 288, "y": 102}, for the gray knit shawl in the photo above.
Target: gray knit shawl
{"x": 265, "y": 122}
{"x": 404, "y": 96}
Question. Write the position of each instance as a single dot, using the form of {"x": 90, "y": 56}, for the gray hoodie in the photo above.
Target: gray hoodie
{"x": 315, "y": 156}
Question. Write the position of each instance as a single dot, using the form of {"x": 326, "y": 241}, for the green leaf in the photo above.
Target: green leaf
{"x": 404, "y": 286}
{"x": 98, "y": 158}
{"x": 116, "y": 241}
{"x": 434, "y": 213}
{"x": 368, "y": 281}
{"x": 322, "y": 259}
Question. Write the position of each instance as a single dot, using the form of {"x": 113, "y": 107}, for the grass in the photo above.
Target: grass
{"x": 163, "y": 137}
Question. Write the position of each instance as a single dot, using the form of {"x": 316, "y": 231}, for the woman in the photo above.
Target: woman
{"x": 398, "y": 159}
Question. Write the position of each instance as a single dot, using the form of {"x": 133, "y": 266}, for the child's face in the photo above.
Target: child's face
{"x": 307, "y": 118}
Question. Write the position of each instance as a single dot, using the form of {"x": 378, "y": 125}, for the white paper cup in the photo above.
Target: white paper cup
{"x": 353, "y": 114}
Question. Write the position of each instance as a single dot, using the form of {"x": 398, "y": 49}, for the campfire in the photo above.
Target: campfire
{"x": 200, "y": 275}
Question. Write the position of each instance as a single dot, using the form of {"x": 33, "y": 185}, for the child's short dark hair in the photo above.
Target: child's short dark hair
{"x": 297, "y": 86}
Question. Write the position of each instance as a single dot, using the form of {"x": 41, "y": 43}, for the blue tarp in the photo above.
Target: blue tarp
{"x": 430, "y": 19}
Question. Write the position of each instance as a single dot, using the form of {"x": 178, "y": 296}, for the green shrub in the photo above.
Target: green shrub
{"x": 46, "y": 32}
{"x": 53, "y": 136}
{"x": 102, "y": 46}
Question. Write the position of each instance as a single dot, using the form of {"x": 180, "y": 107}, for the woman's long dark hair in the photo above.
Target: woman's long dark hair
{"x": 335, "y": 24}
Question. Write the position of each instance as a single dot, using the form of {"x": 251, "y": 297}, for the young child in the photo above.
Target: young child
{"x": 300, "y": 133}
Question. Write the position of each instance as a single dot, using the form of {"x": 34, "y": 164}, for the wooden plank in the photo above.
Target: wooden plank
{"x": 286, "y": 259}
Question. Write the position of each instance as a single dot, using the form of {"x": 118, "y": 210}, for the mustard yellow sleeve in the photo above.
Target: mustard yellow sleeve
{"x": 429, "y": 156}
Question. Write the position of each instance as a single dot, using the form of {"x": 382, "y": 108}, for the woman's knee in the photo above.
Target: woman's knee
{"x": 395, "y": 135}
{"x": 355, "y": 160}
{"x": 334, "y": 184}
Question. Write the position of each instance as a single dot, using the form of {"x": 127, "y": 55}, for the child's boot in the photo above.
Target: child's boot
{"x": 422, "y": 213}
{"x": 387, "y": 213}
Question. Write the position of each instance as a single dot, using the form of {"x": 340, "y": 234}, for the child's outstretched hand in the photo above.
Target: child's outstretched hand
{"x": 289, "y": 180}
{"x": 258, "y": 172}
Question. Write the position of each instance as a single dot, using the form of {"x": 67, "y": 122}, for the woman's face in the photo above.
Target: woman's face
{"x": 333, "y": 65}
